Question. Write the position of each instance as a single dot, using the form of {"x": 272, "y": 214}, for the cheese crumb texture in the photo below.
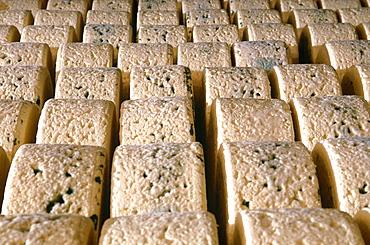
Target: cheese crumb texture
{"x": 259, "y": 175}
{"x": 56, "y": 179}
{"x": 357, "y": 81}
{"x": 160, "y": 81}
{"x": 76, "y": 121}
{"x": 108, "y": 17}
{"x": 90, "y": 83}
{"x": 322, "y": 117}
{"x": 165, "y": 177}
{"x": 157, "y": 17}
{"x": 265, "y": 54}
{"x": 286, "y": 6}
{"x": 297, "y": 226}
{"x": 304, "y": 80}
{"x": 163, "y": 228}
{"x": 31, "y": 83}
{"x": 46, "y": 229}
{"x": 17, "y": 18}
{"x": 315, "y": 35}
{"x": 61, "y": 17}
{"x": 344, "y": 172}
{"x": 9, "y": 33}
{"x": 18, "y": 123}
{"x": 157, "y": 120}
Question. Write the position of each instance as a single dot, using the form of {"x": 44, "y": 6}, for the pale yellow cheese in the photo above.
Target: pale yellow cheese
{"x": 260, "y": 175}
{"x": 297, "y": 226}
{"x": 344, "y": 54}
{"x": 205, "y": 17}
{"x": 339, "y": 4}
{"x": 18, "y": 123}
{"x": 17, "y": 18}
{"x": 57, "y": 179}
{"x": 166, "y": 177}
{"x": 61, "y": 17}
{"x": 234, "y": 82}
{"x": 33, "y": 5}
{"x": 264, "y": 54}
{"x": 199, "y": 5}
{"x": 237, "y": 5}
{"x": 362, "y": 219}
{"x": 84, "y": 55}
{"x": 157, "y": 17}
{"x": 9, "y": 33}
{"x": 169, "y": 5}
{"x": 304, "y": 80}
{"x": 132, "y": 55}
{"x": 216, "y": 33}
{"x": 108, "y": 17}
{"x": 75, "y": 5}
{"x": 4, "y": 168}
{"x": 90, "y": 83}
{"x": 157, "y": 120}
{"x": 46, "y": 229}
{"x": 193, "y": 228}
{"x": 255, "y": 16}
{"x": 160, "y": 81}
{"x": 354, "y": 16}
{"x": 286, "y": 6}
{"x": 31, "y": 83}
{"x": 343, "y": 171}
{"x": 121, "y": 5}
{"x": 275, "y": 31}
{"x": 363, "y": 31}
{"x": 322, "y": 117}
{"x": 315, "y": 35}
{"x": 108, "y": 33}
{"x": 52, "y": 35}
{"x": 77, "y": 121}
{"x": 299, "y": 18}
{"x": 357, "y": 81}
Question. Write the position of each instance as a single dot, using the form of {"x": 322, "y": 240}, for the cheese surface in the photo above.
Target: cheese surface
{"x": 167, "y": 177}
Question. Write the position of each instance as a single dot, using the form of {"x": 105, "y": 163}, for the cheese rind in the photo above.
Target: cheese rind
{"x": 46, "y": 229}
{"x": 205, "y": 17}
{"x": 61, "y": 17}
{"x": 84, "y": 55}
{"x": 157, "y": 17}
{"x": 33, "y": 5}
{"x": 275, "y": 31}
{"x": 180, "y": 227}
{"x": 362, "y": 219}
{"x": 322, "y": 117}
{"x": 286, "y": 6}
{"x": 77, "y": 121}
{"x": 237, "y": 5}
{"x": 304, "y": 80}
{"x": 132, "y": 55}
{"x": 234, "y": 82}
{"x": 31, "y": 83}
{"x": 52, "y": 35}
{"x": 357, "y": 81}
{"x": 17, "y": 18}
{"x": 216, "y": 33}
{"x": 168, "y": 5}
{"x": 265, "y": 54}
{"x": 255, "y": 16}
{"x": 75, "y": 5}
{"x": 339, "y": 4}
{"x": 25, "y": 54}
{"x": 315, "y": 35}
{"x": 9, "y": 33}
{"x": 160, "y": 81}
{"x": 344, "y": 54}
{"x": 108, "y": 17}
{"x": 363, "y": 31}
{"x": 4, "y": 168}
{"x": 157, "y": 120}
{"x": 299, "y": 18}
{"x": 125, "y": 5}
{"x": 167, "y": 177}
{"x": 343, "y": 172}
{"x": 108, "y": 33}
{"x": 354, "y": 16}
{"x": 260, "y": 175}
{"x": 18, "y": 123}
{"x": 56, "y": 179}
{"x": 294, "y": 226}
{"x": 90, "y": 83}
